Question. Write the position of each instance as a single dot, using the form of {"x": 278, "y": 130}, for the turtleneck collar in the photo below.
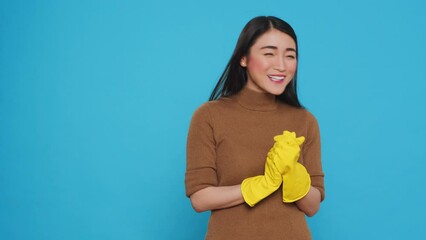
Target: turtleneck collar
{"x": 256, "y": 101}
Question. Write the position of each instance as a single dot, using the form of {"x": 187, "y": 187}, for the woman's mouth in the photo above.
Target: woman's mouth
{"x": 276, "y": 78}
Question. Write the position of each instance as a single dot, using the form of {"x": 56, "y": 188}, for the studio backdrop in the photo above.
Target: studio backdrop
{"x": 96, "y": 99}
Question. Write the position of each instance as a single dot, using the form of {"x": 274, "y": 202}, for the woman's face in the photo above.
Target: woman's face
{"x": 271, "y": 62}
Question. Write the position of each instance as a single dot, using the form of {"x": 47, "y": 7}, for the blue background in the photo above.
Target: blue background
{"x": 96, "y": 99}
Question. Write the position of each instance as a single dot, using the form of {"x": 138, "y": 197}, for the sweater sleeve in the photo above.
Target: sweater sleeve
{"x": 200, "y": 152}
{"x": 312, "y": 155}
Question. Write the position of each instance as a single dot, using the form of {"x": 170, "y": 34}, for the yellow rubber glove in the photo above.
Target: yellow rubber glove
{"x": 286, "y": 150}
{"x": 254, "y": 189}
{"x": 296, "y": 180}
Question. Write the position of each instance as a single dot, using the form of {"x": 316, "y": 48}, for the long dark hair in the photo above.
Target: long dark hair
{"x": 234, "y": 78}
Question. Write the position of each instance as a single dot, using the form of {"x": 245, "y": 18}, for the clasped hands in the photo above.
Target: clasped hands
{"x": 281, "y": 167}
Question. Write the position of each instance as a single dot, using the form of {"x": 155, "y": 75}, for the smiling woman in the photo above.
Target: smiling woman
{"x": 271, "y": 62}
{"x": 254, "y": 114}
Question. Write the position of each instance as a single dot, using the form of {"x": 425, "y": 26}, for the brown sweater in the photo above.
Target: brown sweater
{"x": 228, "y": 141}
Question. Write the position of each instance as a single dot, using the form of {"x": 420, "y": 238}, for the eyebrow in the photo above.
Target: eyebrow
{"x": 275, "y": 48}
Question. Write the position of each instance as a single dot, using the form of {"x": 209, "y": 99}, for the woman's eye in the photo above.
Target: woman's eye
{"x": 268, "y": 54}
{"x": 291, "y": 57}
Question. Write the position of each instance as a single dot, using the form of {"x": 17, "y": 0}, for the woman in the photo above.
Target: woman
{"x": 230, "y": 137}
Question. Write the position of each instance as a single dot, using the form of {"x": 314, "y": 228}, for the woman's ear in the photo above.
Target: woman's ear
{"x": 243, "y": 62}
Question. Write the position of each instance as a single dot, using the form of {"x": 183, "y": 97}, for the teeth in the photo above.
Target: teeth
{"x": 276, "y": 78}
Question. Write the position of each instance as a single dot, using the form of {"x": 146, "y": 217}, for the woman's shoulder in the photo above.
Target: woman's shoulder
{"x": 213, "y": 107}
{"x": 301, "y": 113}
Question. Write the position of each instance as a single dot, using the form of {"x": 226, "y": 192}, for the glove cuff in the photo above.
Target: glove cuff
{"x": 302, "y": 192}
{"x": 255, "y": 189}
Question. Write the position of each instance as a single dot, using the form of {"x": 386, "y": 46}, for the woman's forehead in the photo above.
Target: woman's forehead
{"x": 275, "y": 39}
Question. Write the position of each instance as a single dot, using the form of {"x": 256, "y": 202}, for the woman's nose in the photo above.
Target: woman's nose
{"x": 280, "y": 64}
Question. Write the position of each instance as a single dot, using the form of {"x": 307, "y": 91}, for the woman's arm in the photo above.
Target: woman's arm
{"x": 310, "y": 204}
{"x": 211, "y": 198}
